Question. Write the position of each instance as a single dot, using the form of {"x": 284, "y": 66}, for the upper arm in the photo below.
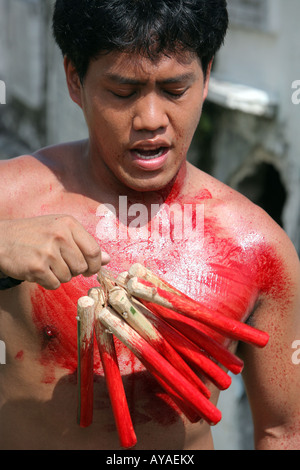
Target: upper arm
{"x": 12, "y": 183}
{"x": 22, "y": 180}
{"x": 271, "y": 377}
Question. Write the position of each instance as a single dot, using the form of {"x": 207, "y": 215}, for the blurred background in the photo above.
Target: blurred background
{"x": 248, "y": 137}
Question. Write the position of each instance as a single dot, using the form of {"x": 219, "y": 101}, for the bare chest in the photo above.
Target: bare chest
{"x": 213, "y": 270}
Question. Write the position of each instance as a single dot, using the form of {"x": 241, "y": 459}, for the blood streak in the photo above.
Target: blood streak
{"x": 20, "y": 355}
{"x": 54, "y": 315}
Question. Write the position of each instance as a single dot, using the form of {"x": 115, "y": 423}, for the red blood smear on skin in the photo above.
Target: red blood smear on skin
{"x": 220, "y": 273}
{"x": 54, "y": 315}
{"x": 20, "y": 355}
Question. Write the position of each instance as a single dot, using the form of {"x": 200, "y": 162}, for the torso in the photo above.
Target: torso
{"x": 226, "y": 267}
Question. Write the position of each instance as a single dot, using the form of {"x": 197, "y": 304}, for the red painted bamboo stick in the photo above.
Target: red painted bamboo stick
{"x": 192, "y": 330}
{"x": 114, "y": 383}
{"x": 120, "y": 300}
{"x": 127, "y": 308}
{"x": 182, "y": 405}
{"x": 115, "y": 387}
{"x": 187, "y": 326}
{"x": 85, "y": 339}
{"x": 191, "y": 353}
{"x": 153, "y": 361}
{"x": 192, "y": 309}
{"x": 140, "y": 271}
{"x": 190, "y": 414}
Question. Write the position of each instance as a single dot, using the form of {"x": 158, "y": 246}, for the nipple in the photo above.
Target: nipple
{"x": 49, "y": 334}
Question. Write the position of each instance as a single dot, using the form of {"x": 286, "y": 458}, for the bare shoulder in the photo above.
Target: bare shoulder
{"x": 24, "y": 168}
{"x": 52, "y": 159}
{"x": 270, "y": 376}
{"x": 26, "y": 177}
{"x": 251, "y": 226}
{"x": 21, "y": 178}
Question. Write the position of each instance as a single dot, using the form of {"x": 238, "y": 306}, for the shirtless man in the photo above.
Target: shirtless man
{"x": 142, "y": 98}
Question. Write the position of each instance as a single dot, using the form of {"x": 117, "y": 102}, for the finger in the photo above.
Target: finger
{"x": 61, "y": 270}
{"x": 91, "y": 252}
{"x": 49, "y": 281}
{"x": 77, "y": 263}
{"x": 74, "y": 259}
{"x": 105, "y": 258}
{"x": 95, "y": 262}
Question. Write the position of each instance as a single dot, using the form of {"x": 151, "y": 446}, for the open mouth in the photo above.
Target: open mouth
{"x": 150, "y": 154}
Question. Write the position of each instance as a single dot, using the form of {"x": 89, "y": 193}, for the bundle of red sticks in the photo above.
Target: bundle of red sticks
{"x": 164, "y": 329}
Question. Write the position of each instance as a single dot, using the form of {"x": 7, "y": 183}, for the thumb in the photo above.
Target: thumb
{"x": 105, "y": 258}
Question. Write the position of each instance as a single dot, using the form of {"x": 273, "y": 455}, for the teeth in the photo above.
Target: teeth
{"x": 150, "y": 153}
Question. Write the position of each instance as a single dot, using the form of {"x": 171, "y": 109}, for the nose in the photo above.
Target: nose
{"x": 150, "y": 114}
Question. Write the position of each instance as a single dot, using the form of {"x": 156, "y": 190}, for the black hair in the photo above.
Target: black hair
{"x": 83, "y": 29}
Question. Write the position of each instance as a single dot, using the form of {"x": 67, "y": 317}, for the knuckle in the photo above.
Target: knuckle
{"x": 37, "y": 271}
{"x": 52, "y": 285}
{"x": 66, "y": 278}
{"x": 69, "y": 222}
{"x": 59, "y": 237}
{"x": 65, "y": 219}
{"x": 61, "y": 226}
{"x": 93, "y": 251}
{"x": 80, "y": 268}
{"x": 49, "y": 255}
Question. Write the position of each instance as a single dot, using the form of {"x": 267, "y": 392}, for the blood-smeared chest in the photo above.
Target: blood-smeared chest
{"x": 222, "y": 274}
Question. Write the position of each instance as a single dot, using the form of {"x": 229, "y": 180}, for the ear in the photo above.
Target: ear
{"x": 206, "y": 82}
{"x": 73, "y": 82}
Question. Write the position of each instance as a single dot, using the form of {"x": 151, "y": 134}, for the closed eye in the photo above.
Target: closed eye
{"x": 123, "y": 95}
{"x": 177, "y": 93}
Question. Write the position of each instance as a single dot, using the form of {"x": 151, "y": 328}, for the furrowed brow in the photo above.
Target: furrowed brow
{"x": 183, "y": 78}
{"x": 120, "y": 80}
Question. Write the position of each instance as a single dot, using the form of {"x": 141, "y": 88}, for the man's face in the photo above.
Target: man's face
{"x": 141, "y": 116}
